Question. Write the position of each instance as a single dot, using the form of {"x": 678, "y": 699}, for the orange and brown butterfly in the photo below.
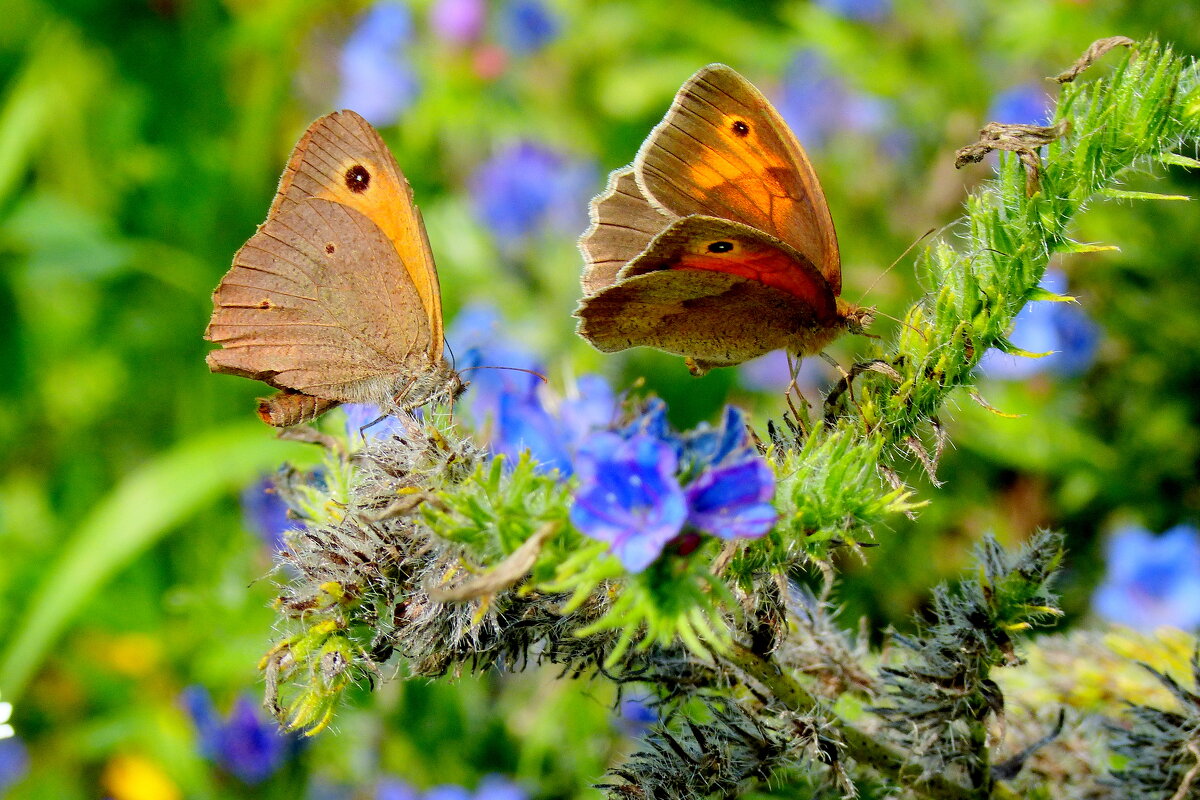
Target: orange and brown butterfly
{"x": 335, "y": 299}
{"x": 716, "y": 244}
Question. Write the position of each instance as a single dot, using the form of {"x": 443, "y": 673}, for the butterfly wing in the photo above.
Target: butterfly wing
{"x": 723, "y": 151}
{"x": 313, "y": 304}
{"x": 623, "y": 225}
{"x": 342, "y": 158}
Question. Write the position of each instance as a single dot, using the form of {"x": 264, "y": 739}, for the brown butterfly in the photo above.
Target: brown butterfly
{"x": 335, "y": 299}
{"x": 716, "y": 243}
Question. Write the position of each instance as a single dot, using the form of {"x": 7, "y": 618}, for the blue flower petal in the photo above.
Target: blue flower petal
{"x": 629, "y": 496}
{"x": 734, "y": 501}
{"x": 1152, "y": 581}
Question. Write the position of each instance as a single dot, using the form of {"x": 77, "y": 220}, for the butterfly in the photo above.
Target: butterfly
{"x": 335, "y": 298}
{"x": 716, "y": 244}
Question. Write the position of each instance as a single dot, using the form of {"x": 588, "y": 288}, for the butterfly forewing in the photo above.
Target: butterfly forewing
{"x": 722, "y": 150}
{"x": 312, "y": 304}
{"x": 342, "y": 158}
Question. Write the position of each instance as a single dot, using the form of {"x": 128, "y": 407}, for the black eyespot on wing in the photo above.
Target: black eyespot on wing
{"x": 720, "y": 247}
{"x": 358, "y": 178}
{"x": 740, "y": 128}
{"x": 330, "y": 248}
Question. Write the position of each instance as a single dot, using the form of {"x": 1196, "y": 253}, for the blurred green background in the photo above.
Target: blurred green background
{"x": 140, "y": 144}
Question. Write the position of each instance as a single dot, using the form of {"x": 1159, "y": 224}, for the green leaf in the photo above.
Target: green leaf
{"x": 1121, "y": 194}
{"x": 1179, "y": 161}
{"x": 143, "y": 508}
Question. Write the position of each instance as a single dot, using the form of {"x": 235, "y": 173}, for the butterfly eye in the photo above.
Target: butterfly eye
{"x": 720, "y": 247}
{"x": 740, "y": 128}
{"x": 357, "y": 178}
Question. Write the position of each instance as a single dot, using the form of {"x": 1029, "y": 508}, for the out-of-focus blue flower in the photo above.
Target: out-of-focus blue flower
{"x": 395, "y": 789}
{"x": 635, "y": 715}
{"x": 865, "y": 10}
{"x": 1152, "y": 580}
{"x": 245, "y": 744}
{"x": 1062, "y": 329}
{"x": 527, "y": 26}
{"x": 458, "y": 22}
{"x": 14, "y": 762}
{"x": 377, "y": 79}
{"x": 266, "y": 513}
{"x": 527, "y": 189}
{"x": 629, "y": 496}
{"x": 360, "y": 415}
{"x": 818, "y": 105}
{"x": 1028, "y": 104}
{"x": 769, "y": 373}
{"x": 513, "y": 406}
{"x": 497, "y": 787}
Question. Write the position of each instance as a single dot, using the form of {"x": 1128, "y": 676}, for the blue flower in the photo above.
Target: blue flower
{"x": 629, "y": 496}
{"x": 497, "y": 787}
{"x": 818, "y": 105}
{"x": 635, "y": 714}
{"x": 527, "y": 189}
{"x": 866, "y": 10}
{"x": 1062, "y": 329}
{"x": 395, "y": 789}
{"x": 513, "y": 407}
{"x": 245, "y": 744}
{"x": 734, "y": 501}
{"x": 377, "y": 81}
{"x": 265, "y": 513}
{"x": 1152, "y": 580}
{"x": 458, "y": 22}
{"x": 726, "y": 485}
{"x": 14, "y": 762}
{"x": 361, "y": 415}
{"x": 1028, "y": 104}
{"x": 527, "y": 26}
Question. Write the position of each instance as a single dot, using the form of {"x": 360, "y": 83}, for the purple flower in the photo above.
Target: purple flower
{"x": 1152, "y": 580}
{"x": 527, "y": 189}
{"x": 527, "y": 26}
{"x": 447, "y": 793}
{"x": 629, "y": 496}
{"x": 865, "y": 10}
{"x": 1028, "y": 104}
{"x": 14, "y": 762}
{"x": 244, "y": 744}
{"x": 458, "y": 22}
{"x": 265, "y": 513}
{"x": 1062, "y": 329}
{"x": 377, "y": 81}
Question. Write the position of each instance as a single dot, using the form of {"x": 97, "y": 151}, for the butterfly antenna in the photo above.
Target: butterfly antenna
{"x": 908, "y": 325}
{"x": 899, "y": 258}
{"x": 453, "y": 359}
{"x": 543, "y": 378}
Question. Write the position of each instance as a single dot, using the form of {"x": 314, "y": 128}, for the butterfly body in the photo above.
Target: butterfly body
{"x": 335, "y": 298}
{"x": 724, "y": 210}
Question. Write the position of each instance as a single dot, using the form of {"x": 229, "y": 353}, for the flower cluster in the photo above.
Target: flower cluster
{"x": 1152, "y": 581}
{"x": 642, "y": 485}
{"x": 244, "y": 744}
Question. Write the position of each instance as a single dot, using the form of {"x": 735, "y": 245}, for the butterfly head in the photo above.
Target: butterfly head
{"x": 857, "y": 318}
